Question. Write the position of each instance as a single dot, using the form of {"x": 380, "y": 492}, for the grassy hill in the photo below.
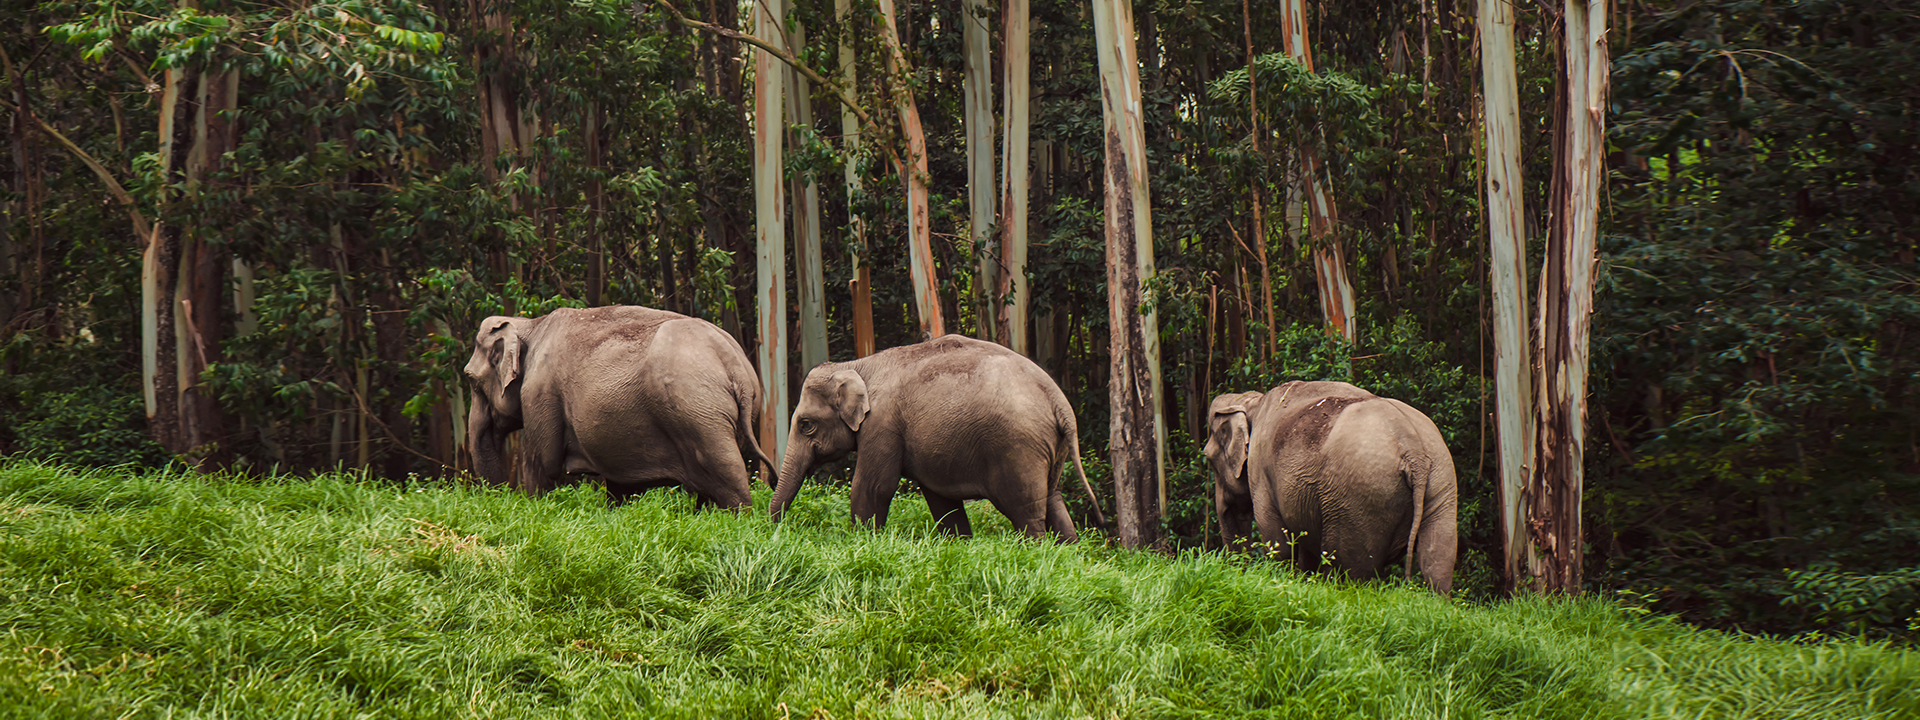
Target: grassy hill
{"x": 179, "y": 595}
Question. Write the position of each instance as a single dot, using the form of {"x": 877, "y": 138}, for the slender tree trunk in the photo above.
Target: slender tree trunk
{"x": 1010, "y": 317}
{"x": 160, "y": 269}
{"x": 978, "y": 105}
{"x": 808, "y": 269}
{"x": 913, "y": 174}
{"x": 1554, "y": 489}
{"x": 1513, "y": 386}
{"x": 1259, "y": 234}
{"x": 201, "y": 284}
{"x": 1138, "y": 433}
{"x": 597, "y": 206}
{"x": 863, "y": 343}
{"x": 1329, "y": 253}
{"x": 770, "y": 229}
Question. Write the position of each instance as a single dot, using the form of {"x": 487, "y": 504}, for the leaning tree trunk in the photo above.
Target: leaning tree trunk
{"x": 1010, "y": 317}
{"x": 1513, "y": 404}
{"x": 1137, "y": 439}
{"x": 913, "y": 173}
{"x": 770, "y": 230}
{"x": 1329, "y": 253}
{"x": 1553, "y": 492}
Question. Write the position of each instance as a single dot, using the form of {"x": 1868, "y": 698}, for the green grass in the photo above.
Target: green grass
{"x": 188, "y": 596}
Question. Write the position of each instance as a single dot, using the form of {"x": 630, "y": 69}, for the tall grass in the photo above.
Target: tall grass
{"x": 179, "y": 595}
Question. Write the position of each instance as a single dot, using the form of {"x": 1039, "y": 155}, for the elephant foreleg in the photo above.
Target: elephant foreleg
{"x": 873, "y": 494}
{"x": 952, "y": 515}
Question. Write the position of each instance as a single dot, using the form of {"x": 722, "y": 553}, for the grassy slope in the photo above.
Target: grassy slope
{"x": 194, "y": 597}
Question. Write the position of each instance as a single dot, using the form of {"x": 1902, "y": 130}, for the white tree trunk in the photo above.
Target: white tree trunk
{"x": 1506, "y": 231}
{"x": 1012, "y": 317}
{"x": 1553, "y": 496}
{"x": 806, "y": 222}
{"x": 1138, "y": 440}
{"x": 978, "y": 94}
{"x": 770, "y": 229}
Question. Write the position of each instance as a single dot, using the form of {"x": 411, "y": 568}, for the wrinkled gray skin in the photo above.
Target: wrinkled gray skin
{"x": 965, "y": 419}
{"x": 644, "y": 398}
{"x": 1339, "y": 470}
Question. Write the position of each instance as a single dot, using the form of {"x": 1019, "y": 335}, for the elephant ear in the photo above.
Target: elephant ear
{"x": 1230, "y": 434}
{"x": 497, "y": 331}
{"x": 850, "y": 398}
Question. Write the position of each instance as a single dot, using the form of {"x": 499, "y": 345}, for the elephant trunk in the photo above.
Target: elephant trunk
{"x": 793, "y": 469}
{"x": 486, "y": 442}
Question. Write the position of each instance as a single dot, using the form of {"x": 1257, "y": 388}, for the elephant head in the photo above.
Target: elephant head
{"x": 1229, "y": 434}
{"x": 826, "y": 426}
{"x": 499, "y": 357}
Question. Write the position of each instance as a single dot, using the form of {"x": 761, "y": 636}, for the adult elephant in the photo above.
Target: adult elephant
{"x": 964, "y": 419}
{"x": 644, "y": 398}
{"x": 1343, "y": 476}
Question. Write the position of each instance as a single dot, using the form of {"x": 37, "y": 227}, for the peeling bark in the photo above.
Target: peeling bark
{"x": 1138, "y": 432}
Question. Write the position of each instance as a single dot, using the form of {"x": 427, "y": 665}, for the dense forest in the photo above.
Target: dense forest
{"x": 335, "y": 193}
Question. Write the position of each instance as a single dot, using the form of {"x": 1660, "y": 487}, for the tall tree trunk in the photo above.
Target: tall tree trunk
{"x": 1329, "y": 253}
{"x": 978, "y": 105}
{"x": 500, "y": 117}
{"x": 1138, "y": 432}
{"x": 1553, "y": 492}
{"x": 597, "y": 207}
{"x": 1259, "y": 235}
{"x": 770, "y": 229}
{"x": 913, "y": 174}
{"x": 160, "y": 269}
{"x": 863, "y": 343}
{"x": 808, "y": 270}
{"x": 200, "y": 284}
{"x": 1010, "y": 318}
{"x": 1506, "y": 239}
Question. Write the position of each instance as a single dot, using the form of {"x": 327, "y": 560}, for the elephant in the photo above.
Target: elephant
{"x": 963, "y": 418}
{"x": 1332, "y": 469}
{"x": 643, "y": 398}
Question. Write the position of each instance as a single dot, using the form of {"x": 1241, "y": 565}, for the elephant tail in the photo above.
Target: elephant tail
{"x": 749, "y": 416}
{"x": 1433, "y": 536}
{"x": 1415, "y": 475}
{"x": 1079, "y": 468}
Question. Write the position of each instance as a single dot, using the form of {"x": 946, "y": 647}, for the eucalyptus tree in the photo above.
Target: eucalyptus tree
{"x": 1138, "y": 430}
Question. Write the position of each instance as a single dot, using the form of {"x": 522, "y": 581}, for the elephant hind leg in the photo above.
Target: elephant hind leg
{"x": 1059, "y": 522}
{"x": 951, "y": 514}
{"x": 721, "y": 478}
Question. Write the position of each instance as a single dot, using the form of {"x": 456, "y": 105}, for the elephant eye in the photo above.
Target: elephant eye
{"x": 806, "y": 427}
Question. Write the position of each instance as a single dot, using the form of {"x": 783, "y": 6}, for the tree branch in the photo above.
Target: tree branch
{"x": 840, "y": 93}
{"x": 139, "y": 221}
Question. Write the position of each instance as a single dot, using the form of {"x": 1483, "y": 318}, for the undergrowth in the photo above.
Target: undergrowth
{"x": 180, "y": 595}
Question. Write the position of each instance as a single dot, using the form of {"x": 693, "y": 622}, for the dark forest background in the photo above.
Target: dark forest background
{"x": 1754, "y": 433}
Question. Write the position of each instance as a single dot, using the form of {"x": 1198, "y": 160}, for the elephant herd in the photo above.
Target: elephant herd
{"x": 645, "y": 398}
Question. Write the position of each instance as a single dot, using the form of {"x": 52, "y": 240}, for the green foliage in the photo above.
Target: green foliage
{"x": 338, "y": 597}
{"x": 1758, "y": 299}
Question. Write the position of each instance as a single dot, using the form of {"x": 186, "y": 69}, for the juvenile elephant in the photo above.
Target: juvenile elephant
{"x": 644, "y": 398}
{"x": 965, "y": 419}
{"x": 1335, "y": 469}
